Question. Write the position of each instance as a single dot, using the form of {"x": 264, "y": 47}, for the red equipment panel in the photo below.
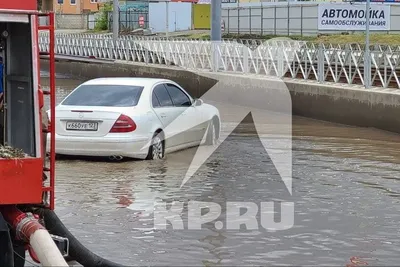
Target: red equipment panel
{"x": 21, "y": 180}
{"x": 19, "y": 4}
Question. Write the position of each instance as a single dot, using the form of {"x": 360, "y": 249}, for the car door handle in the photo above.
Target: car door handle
{"x": 163, "y": 115}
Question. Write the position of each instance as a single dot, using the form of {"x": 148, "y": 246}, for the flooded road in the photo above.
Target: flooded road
{"x": 346, "y": 190}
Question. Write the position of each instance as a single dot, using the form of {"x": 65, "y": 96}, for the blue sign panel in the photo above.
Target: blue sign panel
{"x": 135, "y": 6}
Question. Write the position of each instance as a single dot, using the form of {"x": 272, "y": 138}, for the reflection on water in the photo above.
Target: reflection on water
{"x": 346, "y": 191}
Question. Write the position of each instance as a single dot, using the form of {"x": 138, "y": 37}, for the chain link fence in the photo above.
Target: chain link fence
{"x": 130, "y": 20}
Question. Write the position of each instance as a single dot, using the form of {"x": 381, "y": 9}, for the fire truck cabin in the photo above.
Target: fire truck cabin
{"x": 21, "y": 179}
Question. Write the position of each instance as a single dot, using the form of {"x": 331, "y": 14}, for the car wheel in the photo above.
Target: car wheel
{"x": 156, "y": 149}
{"x": 211, "y": 138}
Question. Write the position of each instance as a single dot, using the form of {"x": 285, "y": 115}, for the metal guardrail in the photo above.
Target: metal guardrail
{"x": 282, "y": 58}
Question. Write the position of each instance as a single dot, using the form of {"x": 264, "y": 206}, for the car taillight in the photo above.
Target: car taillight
{"x": 124, "y": 124}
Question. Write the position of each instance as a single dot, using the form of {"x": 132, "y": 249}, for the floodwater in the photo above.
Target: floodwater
{"x": 346, "y": 194}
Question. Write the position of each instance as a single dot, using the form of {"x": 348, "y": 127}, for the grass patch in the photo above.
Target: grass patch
{"x": 97, "y": 31}
{"x": 375, "y": 38}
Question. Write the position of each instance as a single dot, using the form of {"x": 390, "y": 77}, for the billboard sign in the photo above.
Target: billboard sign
{"x": 352, "y": 17}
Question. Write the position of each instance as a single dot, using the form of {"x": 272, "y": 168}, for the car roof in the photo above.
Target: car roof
{"x": 138, "y": 81}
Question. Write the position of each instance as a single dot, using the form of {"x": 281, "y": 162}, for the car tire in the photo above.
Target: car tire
{"x": 157, "y": 148}
{"x": 211, "y": 138}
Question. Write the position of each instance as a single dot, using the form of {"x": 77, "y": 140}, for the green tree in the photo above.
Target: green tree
{"x": 102, "y": 20}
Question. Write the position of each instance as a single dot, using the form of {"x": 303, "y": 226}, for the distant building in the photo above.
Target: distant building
{"x": 76, "y": 6}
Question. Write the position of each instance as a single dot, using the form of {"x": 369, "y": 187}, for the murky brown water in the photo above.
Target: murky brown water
{"x": 346, "y": 191}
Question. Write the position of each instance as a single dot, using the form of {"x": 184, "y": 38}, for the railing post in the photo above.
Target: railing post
{"x": 167, "y": 54}
{"x": 245, "y": 59}
{"x": 146, "y": 56}
{"x": 280, "y": 61}
{"x": 128, "y": 55}
{"x": 80, "y": 47}
{"x": 367, "y": 68}
{"x": 321, "y": 63}
{"x": 110, "y": 48}
{"x": 214, "y": 56}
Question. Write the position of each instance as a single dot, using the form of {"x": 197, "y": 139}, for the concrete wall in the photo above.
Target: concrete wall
{"x": 347, "y": 105}
{"x": 72, "y": 22}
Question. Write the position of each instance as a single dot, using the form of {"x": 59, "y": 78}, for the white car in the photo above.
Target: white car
{"x": 142, "y": 118}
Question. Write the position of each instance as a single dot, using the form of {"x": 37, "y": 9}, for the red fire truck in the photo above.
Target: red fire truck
{"x": 27, "y": 220}
{"x": 22, "y": 179}
{"x": 26, "y": 182}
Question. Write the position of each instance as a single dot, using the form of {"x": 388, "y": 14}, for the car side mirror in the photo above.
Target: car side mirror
{"x": 198, "y": 102}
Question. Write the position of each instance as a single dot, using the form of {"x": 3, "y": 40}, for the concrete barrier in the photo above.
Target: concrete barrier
{"x": 377, "y": 108}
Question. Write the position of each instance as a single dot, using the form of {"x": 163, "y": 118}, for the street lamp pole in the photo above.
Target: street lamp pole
{"x": 167, "y": 18}
{"x": 115, "y": 19}
{"x": 367, "y": 53}
{"x": 215, "y": 32}
{"x": 216, "y": 20}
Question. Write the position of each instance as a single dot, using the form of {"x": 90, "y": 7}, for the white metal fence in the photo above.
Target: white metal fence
{"x": 283, "y": 58}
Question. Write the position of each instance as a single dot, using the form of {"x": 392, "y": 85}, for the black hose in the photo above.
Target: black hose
{"x": 77, "y": 251}
{"x": 6, "y": 245}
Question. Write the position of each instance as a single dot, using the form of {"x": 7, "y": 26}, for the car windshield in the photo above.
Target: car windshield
{"x": 105, "y": 95}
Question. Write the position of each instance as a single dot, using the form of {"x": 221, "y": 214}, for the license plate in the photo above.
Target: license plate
{"x": 82, "y": 126}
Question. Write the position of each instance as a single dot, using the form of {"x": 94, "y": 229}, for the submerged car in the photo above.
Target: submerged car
{"x": 142, "y": 118}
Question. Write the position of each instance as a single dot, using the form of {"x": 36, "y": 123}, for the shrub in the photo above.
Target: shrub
{"x": 102, "y": 20}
